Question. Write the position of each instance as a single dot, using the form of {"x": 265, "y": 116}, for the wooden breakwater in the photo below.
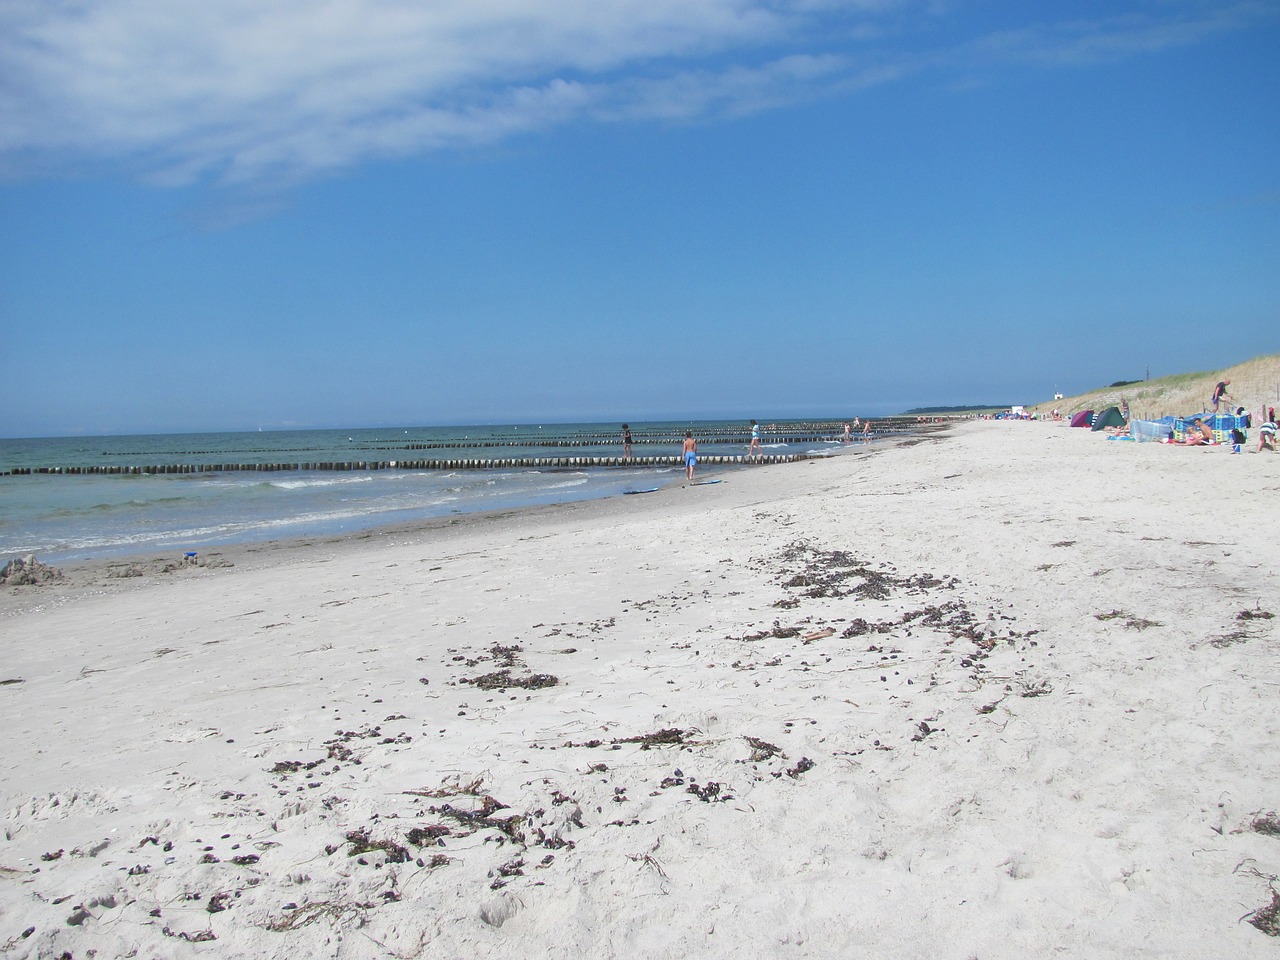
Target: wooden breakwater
{"x": 371, "y": 455}
{"x": 882, "y": 429}
{"x": 612, "y": 440}
{"x": 505, "y": 463}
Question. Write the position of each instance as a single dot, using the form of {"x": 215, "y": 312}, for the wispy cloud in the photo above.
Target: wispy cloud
{"x": 1123, "y": 34}
{"x": 241, "y": 91}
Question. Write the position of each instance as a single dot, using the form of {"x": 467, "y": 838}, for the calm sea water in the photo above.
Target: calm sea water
{"x": 65, "y": 517}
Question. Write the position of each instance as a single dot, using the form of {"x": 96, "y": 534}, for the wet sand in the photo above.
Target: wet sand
{"x": 1002, "y": 692}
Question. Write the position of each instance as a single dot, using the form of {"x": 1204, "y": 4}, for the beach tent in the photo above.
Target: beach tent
{"x": 1110, "y": 417}
{"x": 1082, "y": 419}
{"x": 1148, "y": 430}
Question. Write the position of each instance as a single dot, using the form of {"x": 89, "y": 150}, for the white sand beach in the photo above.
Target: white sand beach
{"x": 1007, "y": 692}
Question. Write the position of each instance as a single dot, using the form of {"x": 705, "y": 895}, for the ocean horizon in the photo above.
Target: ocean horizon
{"x": 65, "y": 499}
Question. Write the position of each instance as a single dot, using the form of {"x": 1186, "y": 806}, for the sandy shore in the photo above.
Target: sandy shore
{"x": 1007, "y": 693}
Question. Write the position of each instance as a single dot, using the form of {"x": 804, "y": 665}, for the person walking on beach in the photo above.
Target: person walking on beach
{"x": 1220, "y": 394}
{"x": 626, "y": 442}
{"x": 754, "y": 449}
{"x": 846, "y": 431}
{"x": 690, "y": 454}
{"x": 866, "y": 431}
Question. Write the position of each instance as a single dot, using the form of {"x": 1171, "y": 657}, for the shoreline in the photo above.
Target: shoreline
{"x": 966, "y": 696}
{"x": 98, "y": 571}
{"x": 113, "y": 517}
{"x": 255, "y": 554}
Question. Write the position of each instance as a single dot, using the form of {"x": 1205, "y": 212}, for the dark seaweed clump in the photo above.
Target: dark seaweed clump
{"x": 361, "y": 843}
{"x": 503, "y": 679}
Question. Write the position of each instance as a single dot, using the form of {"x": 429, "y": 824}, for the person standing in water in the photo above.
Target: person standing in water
{"x": 626, "y": 442}
{"x": 754, "y": 449}
{"x": 690, "y": 454}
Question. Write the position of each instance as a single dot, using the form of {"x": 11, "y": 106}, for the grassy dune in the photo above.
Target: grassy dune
{"x": 1254, "y": 383}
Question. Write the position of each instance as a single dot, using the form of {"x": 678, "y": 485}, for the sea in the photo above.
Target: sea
{"x": 66, "y": 499}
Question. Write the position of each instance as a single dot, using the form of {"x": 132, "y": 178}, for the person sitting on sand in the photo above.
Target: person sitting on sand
{"x": 1267, "y": 436}
{"x": 1199, "y": 434}
{"x": 690, "y": 454}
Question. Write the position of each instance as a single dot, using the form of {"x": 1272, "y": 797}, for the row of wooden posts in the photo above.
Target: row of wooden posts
{"x": 637, "y": 439}
{"x": 465, "y": 464}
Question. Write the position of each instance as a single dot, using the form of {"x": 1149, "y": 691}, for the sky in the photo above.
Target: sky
{"x": 327, "y": 213}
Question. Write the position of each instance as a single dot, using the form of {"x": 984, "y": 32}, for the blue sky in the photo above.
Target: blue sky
{"x": 383, "y": 212}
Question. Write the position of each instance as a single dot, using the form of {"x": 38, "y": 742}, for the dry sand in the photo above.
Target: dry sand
{"x": 1010, "y": 692}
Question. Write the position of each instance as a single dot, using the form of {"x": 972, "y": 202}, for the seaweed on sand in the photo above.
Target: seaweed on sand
{"x": 311, "y": 912}
{"x": 803, "y": 766}
{"x": 421, "y": 836}
{"x": 669, "y": 737}
{"x": 825, "y": 573}
{"x": 777, "y": 631}
{"x": 456, "y": 788}
{"x": 1240, "y": 634}
{"x": 1268, "y": 824}
{"x": 711, "y": 792}
{"x": 502, "y": 679}
{"x": 1130, "y": 621}
{"x": 507, "y": 659}
{"x": 361, "y": 843}
{"x": 484, "y": 818}
{"x": 1267, "y": 917}
{"x": 762, "y": 750}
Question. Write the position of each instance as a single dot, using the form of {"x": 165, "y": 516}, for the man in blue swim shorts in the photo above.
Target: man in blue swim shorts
{"x": 690, "y": 454}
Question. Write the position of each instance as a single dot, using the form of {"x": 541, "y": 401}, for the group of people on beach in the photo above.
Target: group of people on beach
{"x": 689, "y": 451}
{"x": 1266, "y": 432}
{"x": 850, "y": 427}
{"x": 1212, "y": 428}
{"x": 1200, "y": 433}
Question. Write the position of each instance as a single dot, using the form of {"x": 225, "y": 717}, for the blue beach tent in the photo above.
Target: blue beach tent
{"x": 1144, "y": 431}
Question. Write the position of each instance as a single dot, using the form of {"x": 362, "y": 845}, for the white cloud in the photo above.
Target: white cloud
{"x": 252, "y": 90}
{"x": 298, "y": 84}
{"x": 1126, "y": 33}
